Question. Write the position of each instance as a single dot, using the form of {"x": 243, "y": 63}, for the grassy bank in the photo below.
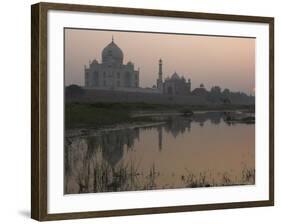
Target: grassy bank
{"x": 102, "y": 114}
{"x": 81, "y": 115}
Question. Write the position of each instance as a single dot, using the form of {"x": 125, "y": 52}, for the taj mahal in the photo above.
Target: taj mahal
{"x": 113, "y": 74}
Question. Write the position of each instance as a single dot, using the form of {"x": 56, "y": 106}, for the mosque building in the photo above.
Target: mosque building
{"x": 174, "y": 85}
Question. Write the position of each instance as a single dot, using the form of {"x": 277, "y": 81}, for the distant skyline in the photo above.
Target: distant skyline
{"x": 228, "y": 62}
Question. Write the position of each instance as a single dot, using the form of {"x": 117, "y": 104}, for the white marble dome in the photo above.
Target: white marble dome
{"x": 112, "y": 54}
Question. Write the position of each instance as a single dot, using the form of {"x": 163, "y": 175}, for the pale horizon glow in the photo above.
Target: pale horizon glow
{"x": 228, "y": 62}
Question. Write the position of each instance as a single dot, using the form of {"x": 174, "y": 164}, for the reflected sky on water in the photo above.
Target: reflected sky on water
{"x": 203, "y": 150}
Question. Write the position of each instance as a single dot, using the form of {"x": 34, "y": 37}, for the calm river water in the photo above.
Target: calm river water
{"x": 180, "y": 152}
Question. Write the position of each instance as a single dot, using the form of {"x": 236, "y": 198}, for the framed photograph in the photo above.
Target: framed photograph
{"x": 140, "y": 111}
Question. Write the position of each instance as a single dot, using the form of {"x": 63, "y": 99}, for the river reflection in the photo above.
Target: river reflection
{"x": 198, "y": 151}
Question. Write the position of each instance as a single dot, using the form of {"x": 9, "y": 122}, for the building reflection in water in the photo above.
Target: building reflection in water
{"x": 113, "y": 143}
{"x": 108, "y": 148}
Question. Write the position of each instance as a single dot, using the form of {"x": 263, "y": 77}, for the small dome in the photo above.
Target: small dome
{"x": 112, "y": 54}
{"x": 130, "y": 65}
{"x": 175, "y": 76}
{"x": 200, "y": 92}
{"x": 95, "y": 61}
{"x": 202, "y": 85}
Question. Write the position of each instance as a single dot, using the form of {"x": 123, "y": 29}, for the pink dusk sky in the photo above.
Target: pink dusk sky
{"x": 228, "y": 62}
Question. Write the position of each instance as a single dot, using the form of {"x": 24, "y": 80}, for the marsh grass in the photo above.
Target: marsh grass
{"x": 210, "y": 179}
{"x": 101, "y": 177}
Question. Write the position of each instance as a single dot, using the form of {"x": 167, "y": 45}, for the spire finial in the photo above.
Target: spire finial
{"x": 112, "y": 38}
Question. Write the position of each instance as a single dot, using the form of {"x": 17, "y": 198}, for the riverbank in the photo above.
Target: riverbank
{"x": 97, "y": 115}
{"x": 70, "y": 133}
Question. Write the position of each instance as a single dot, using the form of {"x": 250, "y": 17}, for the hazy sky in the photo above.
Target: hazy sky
{"x": 225, "y": 61}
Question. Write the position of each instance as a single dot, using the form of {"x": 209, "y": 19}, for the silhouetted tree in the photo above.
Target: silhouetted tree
{"x": 73, "y": 91}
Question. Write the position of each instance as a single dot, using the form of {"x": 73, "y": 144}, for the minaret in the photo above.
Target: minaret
{"x": 160, "y": 77}
{"x": 189, "y": 86}
{"x": 160, "y": 69}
